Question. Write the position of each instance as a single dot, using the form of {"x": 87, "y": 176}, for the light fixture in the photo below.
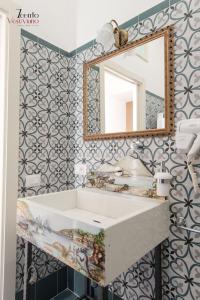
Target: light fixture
{"x": 110, "y": 34}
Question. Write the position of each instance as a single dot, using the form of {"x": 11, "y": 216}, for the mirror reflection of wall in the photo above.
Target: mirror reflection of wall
{"x": 120, "y": 103}
{"x": 94, "y": 100}
{"x": 127, "y": 91}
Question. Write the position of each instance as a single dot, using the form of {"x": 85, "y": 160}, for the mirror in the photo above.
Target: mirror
{"x": 129, "y": 92}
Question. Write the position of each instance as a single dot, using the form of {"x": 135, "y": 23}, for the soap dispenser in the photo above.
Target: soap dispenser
{"x": 163, "y": 180}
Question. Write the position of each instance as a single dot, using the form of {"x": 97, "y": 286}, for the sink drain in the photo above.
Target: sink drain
{"x": 96, "y": 221}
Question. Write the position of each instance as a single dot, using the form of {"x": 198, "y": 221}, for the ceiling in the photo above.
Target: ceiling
{"x": 69, "y": 24}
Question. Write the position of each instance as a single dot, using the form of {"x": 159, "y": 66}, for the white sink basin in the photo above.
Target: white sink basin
{"x": 100, "y": 234}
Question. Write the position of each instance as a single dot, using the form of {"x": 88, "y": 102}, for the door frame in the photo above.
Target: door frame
{"x": 9, "y": 141}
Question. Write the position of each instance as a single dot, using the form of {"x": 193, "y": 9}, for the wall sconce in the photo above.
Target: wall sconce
{"x": 111, "y": 33}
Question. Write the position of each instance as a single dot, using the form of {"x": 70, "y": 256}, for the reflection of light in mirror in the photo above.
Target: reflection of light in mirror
{"x": 160, "y": 120}
{"x": 120, "y": 103}
{"x": 147, "y": 62}
{"x": 141, "y": 52}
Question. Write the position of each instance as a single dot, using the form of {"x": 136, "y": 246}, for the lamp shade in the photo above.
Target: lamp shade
{"x": 105, "y": 36}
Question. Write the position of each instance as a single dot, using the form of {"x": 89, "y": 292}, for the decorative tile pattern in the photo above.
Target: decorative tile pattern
{"x": 154, "y": 105}
{"x": 20, "y": 264}
{"x": 58, "y": 95}
{"x": 94, "y": 109}
{"x": 44, "y": 134}
{"x": 180, "y": 253}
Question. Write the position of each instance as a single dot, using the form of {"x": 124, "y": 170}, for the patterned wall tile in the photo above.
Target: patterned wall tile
{"x": 154, "y": 106}
{"x": 181, "y": 251}
{"x": 44, "y": 135}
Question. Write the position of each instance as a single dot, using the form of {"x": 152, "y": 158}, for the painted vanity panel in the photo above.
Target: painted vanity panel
{"x": 99, "y": 234}
{"x": 78, "y": 245}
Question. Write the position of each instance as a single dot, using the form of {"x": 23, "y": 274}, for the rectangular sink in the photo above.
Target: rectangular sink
{"x": 100, "y": 234}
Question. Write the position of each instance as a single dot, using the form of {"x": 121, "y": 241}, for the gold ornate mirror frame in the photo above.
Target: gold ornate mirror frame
{"x": 168, "y": 34}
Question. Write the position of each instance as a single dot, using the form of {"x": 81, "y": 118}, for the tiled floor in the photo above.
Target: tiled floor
{"x": 68, "y": 295}
{"x": 65, "y": 295}
{"x": 48, "y": 287}
{"x": 65, "y": 284}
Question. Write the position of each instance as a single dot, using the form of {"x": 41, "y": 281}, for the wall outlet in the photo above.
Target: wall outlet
{"x": 33, "y": 180}
{"x": 80, "y": 169}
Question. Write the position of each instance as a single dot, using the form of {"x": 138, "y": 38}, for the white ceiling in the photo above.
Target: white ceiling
{"x": 69, "y": 24}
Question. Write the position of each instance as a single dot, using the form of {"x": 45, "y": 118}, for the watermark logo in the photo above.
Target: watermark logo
{"x": 25, "y": 18}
